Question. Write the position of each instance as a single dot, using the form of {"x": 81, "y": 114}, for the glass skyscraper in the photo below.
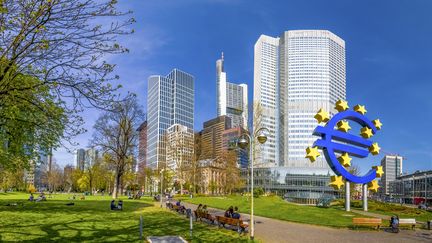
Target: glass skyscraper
{"x": 232, "y": 99}
{"x": 170, "y": 100}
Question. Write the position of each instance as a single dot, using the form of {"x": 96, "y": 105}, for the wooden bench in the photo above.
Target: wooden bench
{"x": 407, "y": 222}
{"x": 201, "y": 215}
{"x": 367, "y": 222}
{"x": 179, "y": 209}
{"x": 222, "y": 221}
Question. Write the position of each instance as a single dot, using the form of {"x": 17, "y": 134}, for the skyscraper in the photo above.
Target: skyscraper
{"x": 170, "y": 100}
{"x": 392, "y": 167}
{"x": 266, "y": 99}
{"x": 211, "y": 137}
{"x": 79, "y": 157}
{"x": 232, "y": 99}
{"x": 91, "y": 156}
{"x": 295, "y": 75}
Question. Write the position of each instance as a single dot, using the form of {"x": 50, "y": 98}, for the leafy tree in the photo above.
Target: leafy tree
{"x": 115, "y": 133}
{"x": 52, "y": 66}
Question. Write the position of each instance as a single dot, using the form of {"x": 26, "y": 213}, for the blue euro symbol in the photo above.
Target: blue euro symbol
{"x": 333, "y": 141}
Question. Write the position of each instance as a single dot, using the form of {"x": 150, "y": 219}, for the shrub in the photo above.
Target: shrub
{"x": 31, "y": 188}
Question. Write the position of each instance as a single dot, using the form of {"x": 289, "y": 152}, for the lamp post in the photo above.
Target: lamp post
{"x": 246, "y": 140}
{"x": 161, "y": 180}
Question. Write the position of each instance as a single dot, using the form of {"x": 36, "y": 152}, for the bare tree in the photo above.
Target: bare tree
{"x": 115, "y": 132}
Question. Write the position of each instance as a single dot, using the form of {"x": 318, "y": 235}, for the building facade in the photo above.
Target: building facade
{"x": 79, "y": 159}
{"x": 266, "y": 100}
{"x": 91, "y": 157}
{"x": 170, "y": 100}
{"x": 229, "y": 143}
{"x": 392, "y": 167}
{"x": 212, "y": 176}
{"x": 142, "y": 145}
{"x": 295, "y": 75}
{"x": 180, "y": 147}
{"x": 412, "y": 188}
{"x": 211, "y": 137}
{"x": 232, "y": 99}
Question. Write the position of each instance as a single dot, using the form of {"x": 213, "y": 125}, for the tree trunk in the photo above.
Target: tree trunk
{"x": 116, "y": 185}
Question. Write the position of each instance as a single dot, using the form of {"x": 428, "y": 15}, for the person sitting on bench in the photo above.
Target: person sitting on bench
{"x": 120, "y": 205}
{"x": 113, "y": 206}
{"x": 235, "y": 214}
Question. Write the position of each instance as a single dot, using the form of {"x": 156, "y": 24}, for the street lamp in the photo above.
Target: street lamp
{"x": 243, "y": 142}
{"x": 161, "y": 172}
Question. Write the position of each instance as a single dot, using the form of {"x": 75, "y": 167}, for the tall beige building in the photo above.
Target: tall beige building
{"x": 179, "y": 147}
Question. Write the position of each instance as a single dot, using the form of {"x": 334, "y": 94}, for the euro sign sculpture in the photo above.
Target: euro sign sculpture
{"x": 333, "y": 142}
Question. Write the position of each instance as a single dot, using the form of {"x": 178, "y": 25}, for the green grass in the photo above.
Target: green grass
{"x": 392, "y": 209}
{"x": 275, "y": 207}
{"x": 92, "y": 220}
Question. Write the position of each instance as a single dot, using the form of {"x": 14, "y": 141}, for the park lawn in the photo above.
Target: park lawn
{"x": 395, "y": 209}
{"x": 92, "y": 220}
{"x": 275, "y": 207}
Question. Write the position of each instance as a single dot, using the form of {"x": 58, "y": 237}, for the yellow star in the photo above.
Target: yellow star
{"x": 343, "y": 126}
{"x": 341, "y": 105}
{"x": 345, "y": 160}
{"x": 360, "y": 109}
{"x": 312, "y": 153}
{"x": 322, "y": 116}
{"x": 373, "y": 186}
{"x": 377, "y": 124}
{"x": 336, "y": 182}
{"x": 366, "y": 132}
{"x": 374, "y": 149}
{"x": 379, "y": 170}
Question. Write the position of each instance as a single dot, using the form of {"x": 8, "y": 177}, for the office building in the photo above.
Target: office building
{"x": 180, "y": 147}
{"x": 90, "y": 158}
{"x": 412, "y": 188}
{"x": 232, "y": 99}
{"x": 170, "y": 100}
{"x": 229, "y": 143}
{"x": 142, "y": 145}
{"x": 211, "y": 137}
{"x": 79, "y": 159}
{"x": 295, "y": 75}
{"x": 392, "y": 167}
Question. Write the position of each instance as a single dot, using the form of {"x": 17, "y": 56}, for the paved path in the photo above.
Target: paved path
{"x": 273, "y": 230}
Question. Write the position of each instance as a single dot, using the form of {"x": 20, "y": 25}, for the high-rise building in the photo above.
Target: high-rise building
{"x": 180, "y": 146}
{"x": 211, "y": 137}
{"x": 266, "y": 99}
{"x": 142, "y": 146}
{"x": 79, "y": 159}
{"x": 392, "y": 167}
{"x": 170, "y": 100}
{"x": 232, "y": 99}
{"x": 296, "y": 75}
{"x": 229, "y": 143}
{"x": 90, "y": 158}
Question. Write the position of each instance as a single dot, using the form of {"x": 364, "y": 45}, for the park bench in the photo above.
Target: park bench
{"x": 407, "y": 222}
{"x": 203, "y": 215}
{"x": 179, "y": 209}
{"x": 367, "y": 222}
{"x": 241, "y": 227}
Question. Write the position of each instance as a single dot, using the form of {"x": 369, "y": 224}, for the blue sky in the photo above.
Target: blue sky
{"x": 388, "y": 57}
